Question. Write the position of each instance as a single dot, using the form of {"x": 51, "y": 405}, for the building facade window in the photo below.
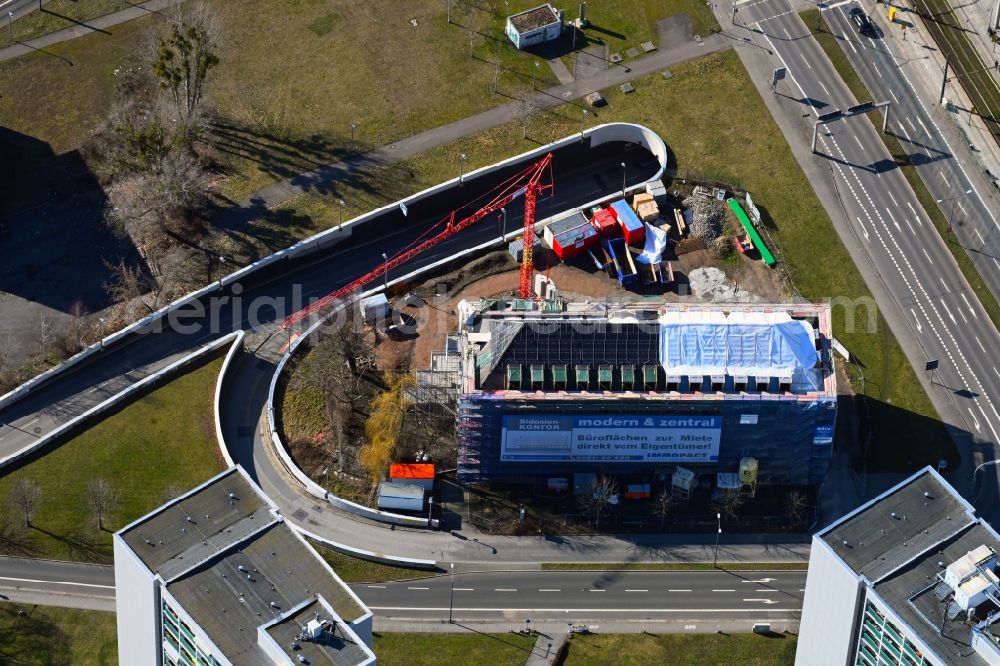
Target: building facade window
{"x": 178, "y": 635}
{"x": 881, "y": 643}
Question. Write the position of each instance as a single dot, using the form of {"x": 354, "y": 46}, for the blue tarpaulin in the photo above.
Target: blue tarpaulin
{"x": 741, "y": 345}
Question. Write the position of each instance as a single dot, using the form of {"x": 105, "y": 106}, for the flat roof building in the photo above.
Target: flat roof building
{"x": 551, "y": 388}
{"x": 217, "y": 578}
{"x": 534, "y": 26}
{"x": 908, "y": 578}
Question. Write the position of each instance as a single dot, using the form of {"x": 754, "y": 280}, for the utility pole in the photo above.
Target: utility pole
{"x": 222, "y": 261}
{"x": 385, "y": 283}
{"x": 534, "y": 72}
{"x": 343, "y": 205}
{"x": 583, "y": 121}
{"x": 623, "y": 180}
{"x": 718, "y": 522}
{"x": 503, "y": 222}
{"x": 461, "y": 168}
{"x": 451, "y": 597}
{"x": 944, "y": 78}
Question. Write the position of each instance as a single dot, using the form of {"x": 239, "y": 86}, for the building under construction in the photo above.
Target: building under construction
{"x": 552, "y": 389}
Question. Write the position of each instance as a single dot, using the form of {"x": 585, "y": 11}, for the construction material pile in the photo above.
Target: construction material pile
{"x": 708, "y": 217}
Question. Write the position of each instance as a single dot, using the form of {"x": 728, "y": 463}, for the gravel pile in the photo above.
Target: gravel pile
{"x": 708, "y": 217}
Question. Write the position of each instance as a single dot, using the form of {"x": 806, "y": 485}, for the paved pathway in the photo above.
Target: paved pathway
{"x": 100, "y": 24}
{"x": 437, "y": 136}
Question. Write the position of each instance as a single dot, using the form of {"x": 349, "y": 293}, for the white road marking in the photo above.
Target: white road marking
{"x": 893, "y": 95}
{"x": 723, "y": 590}
{"x": 891, "y": 217}
{"x": 765, "y": 601}
{"x": 803, "y": 58}
{"x": 876, "y": 70}
{"x": 465, "y": 589}
{"x": 915, "y": 216}
{"x": 380, "y": 587}
{"x": 838, "y": 4}
{"x": 31, "y": 422}
{"x": 914, "y": 127}
{"x": 549, "y": 589}
{"x": 505, "y": 589}
{"x": 980, "y": 237}
{"x": 894, "y": 203}
{"x": 823, "y": 87}
{"x": 948, "y": 310}
{"x": 637, "y": 590}
{"x": 916, "y": 321}
{"x": 597, "y": 590}
{"x": 768, "y": 591}
{"x": 762, "y": 580}
{"x": 418, "y": 588}
{"x": 927, "y": 255}
{"x": 971, "y": 311}
{"x": 941, "y": 173}
{"x": 678, "y": 590}
{"x": 975, "y": 421}
{"x": 57, "y": 582}
{"x": 959, "y": 204}
{"x": 980, "y": 344}
{"x": 863, "y": 230}
{"x": 861, "y": 145}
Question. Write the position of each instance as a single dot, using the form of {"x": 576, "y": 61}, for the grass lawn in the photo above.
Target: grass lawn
{"x": 355, "y": 570}
{"x": 439, "y": 649}
{"x": 673, "y": 566}
{"x": 295, "y": 76}
{"x": 687, "y": 649}
{"x": 164, "y": 443}
{"x": 836, "y": 54}
{"x": 45, "y": 636}
{"x": 749, "y": 150}
{"x": 59, "y": 14}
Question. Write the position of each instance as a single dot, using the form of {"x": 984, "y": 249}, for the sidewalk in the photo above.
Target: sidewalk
{"x": 99, "y": 24}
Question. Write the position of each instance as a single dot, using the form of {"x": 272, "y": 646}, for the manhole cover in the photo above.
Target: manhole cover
{"x": 616, "y": 57}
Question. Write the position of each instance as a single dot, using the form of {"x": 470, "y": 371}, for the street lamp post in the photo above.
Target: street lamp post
{"x": 583, "y": 121}
{"x": 502, "y": 221}
{"x": 461, "y": 167}
{"x": 385, "y": 284}
{"x": 354, "y": 128}
{"x": 10, "y": 25}
{"x": 951, "y": 214}
{"x": 718, "y": 523}
{"x": 451, "y": 596}
{"x": 103, "y": 322}
{"x": 533, "y": 73}
{"x": 343, "y": 205}
{"x": 623, "y": 180}
{"x": 222, "y": 261}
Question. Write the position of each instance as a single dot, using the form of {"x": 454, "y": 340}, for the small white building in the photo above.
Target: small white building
{"x": 534, "y": 26}
{"x": 374, "y": 308}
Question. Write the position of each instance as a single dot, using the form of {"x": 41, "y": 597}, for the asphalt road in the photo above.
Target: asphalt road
{"x": 54, "y": 583}
{"x": 510, "y": 596}
{"x": 590, "y": 595}
{"x": 965, "y": 200}
{"x": 945, "y": 316}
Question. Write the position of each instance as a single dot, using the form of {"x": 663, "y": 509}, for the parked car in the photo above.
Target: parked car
{"x": 862, "y": 22}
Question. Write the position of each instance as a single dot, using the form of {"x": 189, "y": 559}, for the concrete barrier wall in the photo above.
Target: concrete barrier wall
{"x": 138, "y": 387}
{"x": 220, "y": 438}
{"x": 381, "y": 558}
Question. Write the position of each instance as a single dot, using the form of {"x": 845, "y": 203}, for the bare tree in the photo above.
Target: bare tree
{"x": 24, "y": 497}
{"x": 525, "y": 109}
{"x": 45, "y": 332}
{"x": 102, "y": 499}
{"x": 600, "y": 498}
{"x": 665, "y": 504}
{"x": 729, "y": 502}
{"x": 795, "y": 506}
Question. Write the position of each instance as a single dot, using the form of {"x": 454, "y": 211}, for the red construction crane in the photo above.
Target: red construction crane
{"x": 527, "y": 183}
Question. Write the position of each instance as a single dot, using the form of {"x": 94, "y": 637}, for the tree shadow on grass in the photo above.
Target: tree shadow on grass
{"x": 79, "y": 546}
{"x": 27, "y": 632}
